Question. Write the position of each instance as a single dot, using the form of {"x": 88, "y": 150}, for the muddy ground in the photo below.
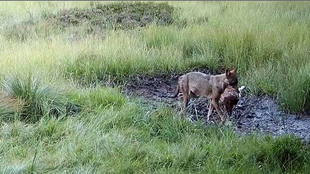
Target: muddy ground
{"x": 252, "y": 113}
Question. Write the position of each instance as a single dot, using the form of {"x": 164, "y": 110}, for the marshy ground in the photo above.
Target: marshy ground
{"x": 252, "y": 113}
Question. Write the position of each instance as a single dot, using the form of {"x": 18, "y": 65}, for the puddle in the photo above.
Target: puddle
{"x": 252, "y": 113}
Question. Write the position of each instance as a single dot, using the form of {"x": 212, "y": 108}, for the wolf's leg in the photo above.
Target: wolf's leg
{"x": 185, "y": 100}
{"x": 210, "y": 110}
{"x": 220, "y": 113}
{"x": 215, "y": 103}
{"x": 186, "y": 97}
{"x": 184, "y": 88}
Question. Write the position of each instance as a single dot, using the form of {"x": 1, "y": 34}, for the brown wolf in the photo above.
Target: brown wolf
{"x": 195, "y": 84}
{"x": 229, "y": 99}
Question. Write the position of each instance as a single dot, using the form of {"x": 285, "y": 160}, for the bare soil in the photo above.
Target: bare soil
{"x": 252, "y": 113}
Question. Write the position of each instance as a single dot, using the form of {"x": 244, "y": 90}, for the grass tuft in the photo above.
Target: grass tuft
{"x": 36, "y": 99}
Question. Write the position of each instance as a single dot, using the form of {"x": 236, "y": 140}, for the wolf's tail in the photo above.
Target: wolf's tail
{"x": 176, "y": 92}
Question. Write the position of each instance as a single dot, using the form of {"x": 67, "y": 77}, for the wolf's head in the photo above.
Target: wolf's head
{"x": 232, "y": 78}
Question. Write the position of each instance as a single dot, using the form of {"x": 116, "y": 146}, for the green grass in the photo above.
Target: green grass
{"x": 98, "y": 98}
{"x": 35, "y": 99}
{"x": 133, "y": 140}
{"x": 252, "y": 36}
{"x": 47, "y": 68}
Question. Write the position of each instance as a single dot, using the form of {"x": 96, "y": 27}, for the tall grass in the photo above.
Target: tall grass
{"x": 215, "y": 35}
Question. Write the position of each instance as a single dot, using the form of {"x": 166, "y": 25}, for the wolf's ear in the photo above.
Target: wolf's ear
{"x": 227, "y": 72}
{"x": 235, "y": 70}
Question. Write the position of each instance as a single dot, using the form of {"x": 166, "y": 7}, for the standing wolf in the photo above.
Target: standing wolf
{"x": 195, "y": 84}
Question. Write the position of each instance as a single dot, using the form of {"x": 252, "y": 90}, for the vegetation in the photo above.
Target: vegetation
{"x": 33, "y": 99}
{"x": 131, "y": 139}
{"x": 56, "y": 118}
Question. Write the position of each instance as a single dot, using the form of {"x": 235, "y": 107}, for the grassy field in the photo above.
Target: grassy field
{"x": 57, "y": 118}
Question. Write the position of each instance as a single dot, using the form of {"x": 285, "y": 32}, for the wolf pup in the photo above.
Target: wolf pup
{"x": 197, "y": 84}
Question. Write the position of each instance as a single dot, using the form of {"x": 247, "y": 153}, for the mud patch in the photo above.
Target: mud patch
{"x": 253, "y": 113}
{"x": 263, "y": 114}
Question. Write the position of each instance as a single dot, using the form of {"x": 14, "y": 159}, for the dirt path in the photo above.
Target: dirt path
{"x": 252, "y": 113}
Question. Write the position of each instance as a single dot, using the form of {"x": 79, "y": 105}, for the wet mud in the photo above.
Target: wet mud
{"x": 252, "y": 113}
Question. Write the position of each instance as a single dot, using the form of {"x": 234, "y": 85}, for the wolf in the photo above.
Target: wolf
{"x": 197, "y": 84}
